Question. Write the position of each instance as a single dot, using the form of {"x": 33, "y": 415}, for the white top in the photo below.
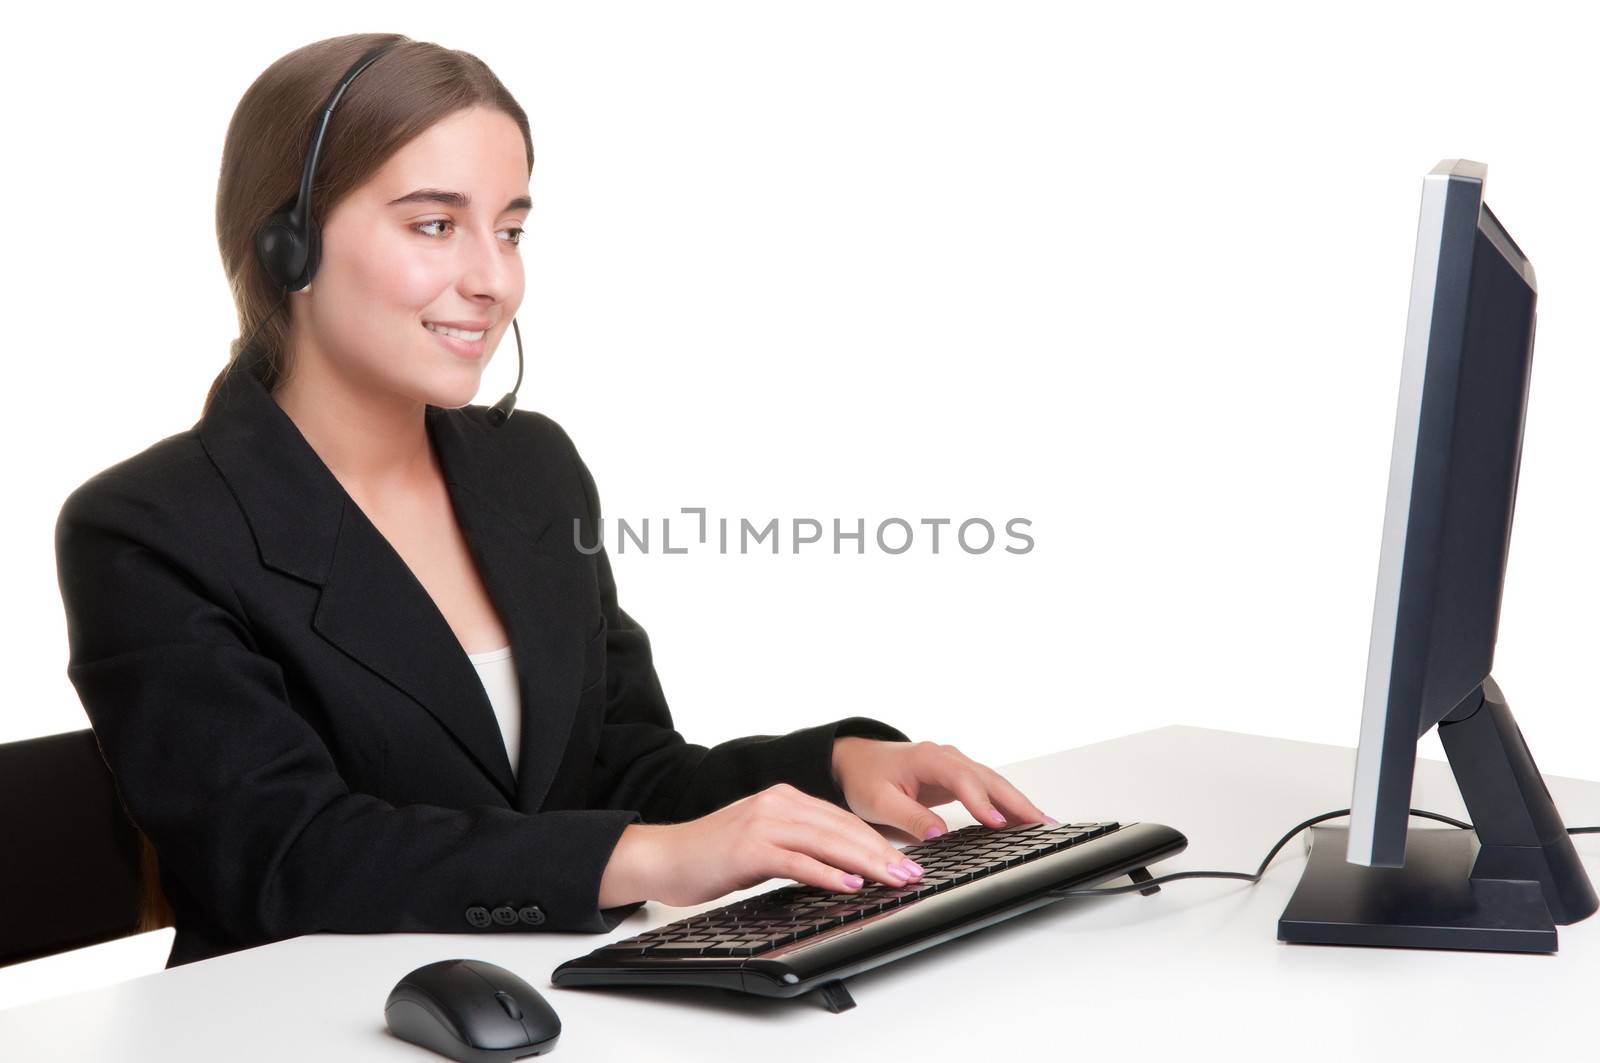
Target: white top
{"x": 499, "y": 674}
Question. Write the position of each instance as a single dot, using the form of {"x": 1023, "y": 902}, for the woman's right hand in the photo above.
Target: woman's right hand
{"x": 779, "y": 832}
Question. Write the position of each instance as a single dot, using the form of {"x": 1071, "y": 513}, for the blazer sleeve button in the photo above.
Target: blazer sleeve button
{"x": 531, "y": 914}
{"x": 478, "y": 916}
{"x": 505, "y": 915}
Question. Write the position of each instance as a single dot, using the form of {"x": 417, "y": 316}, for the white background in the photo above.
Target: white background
{"x": 1136, "y": 273}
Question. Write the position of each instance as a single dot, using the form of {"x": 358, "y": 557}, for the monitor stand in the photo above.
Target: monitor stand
{"x": 1503, "y": 886}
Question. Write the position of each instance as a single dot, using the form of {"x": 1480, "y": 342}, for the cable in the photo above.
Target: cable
{"x": 1252, "y": 879}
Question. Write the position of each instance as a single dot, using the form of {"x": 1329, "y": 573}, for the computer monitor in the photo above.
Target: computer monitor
{"x": 1447, "y": 525}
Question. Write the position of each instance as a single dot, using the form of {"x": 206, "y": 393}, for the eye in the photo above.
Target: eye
{"x": 420, "y": 227}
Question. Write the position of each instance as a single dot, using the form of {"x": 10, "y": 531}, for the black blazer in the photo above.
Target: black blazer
{"x": 293, "y": 724}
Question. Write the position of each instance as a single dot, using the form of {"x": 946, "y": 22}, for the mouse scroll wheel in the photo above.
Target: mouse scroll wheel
{"x": 509, "y": 1004}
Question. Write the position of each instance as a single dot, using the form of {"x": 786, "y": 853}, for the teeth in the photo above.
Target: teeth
{"x": 460, "y": 334}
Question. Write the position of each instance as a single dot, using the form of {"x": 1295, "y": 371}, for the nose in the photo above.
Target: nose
{"x": 491, "y": 270}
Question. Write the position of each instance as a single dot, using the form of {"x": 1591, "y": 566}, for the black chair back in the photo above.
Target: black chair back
{"x": 71, "y": 865}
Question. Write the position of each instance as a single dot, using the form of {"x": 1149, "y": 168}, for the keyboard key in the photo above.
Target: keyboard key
{"x": 732, "y": 948}
{"x": 677, "y": 948}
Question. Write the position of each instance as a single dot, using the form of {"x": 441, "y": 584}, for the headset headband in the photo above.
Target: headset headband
{"x": 289, "y": 245}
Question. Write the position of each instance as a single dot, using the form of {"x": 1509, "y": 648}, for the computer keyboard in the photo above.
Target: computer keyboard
{"x": 799, "y": 938}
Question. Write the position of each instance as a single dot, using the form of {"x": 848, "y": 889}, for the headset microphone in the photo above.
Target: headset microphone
{"x": 508, "y": 402}
{"x": 289, "y": 245}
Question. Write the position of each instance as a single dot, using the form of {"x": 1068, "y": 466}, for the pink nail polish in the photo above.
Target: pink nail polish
{"x": 1054, "y": 822}
{"x": 854, "y": 881}
{"x": 911, "y": 866}
{"x": 933, "y": 832}
{"x": 996, "y": 818}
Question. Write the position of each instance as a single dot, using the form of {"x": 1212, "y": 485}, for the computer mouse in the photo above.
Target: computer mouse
{"x": 473, "y": 1011}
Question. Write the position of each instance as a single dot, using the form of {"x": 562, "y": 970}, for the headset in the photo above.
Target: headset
{"x": 289, "y": 245}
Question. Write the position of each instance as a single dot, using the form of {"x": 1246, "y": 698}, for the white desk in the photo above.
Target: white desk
{"x": 1194, "y": 967}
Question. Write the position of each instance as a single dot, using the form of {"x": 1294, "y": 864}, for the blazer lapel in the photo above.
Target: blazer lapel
{"x": 374, "y": 609}
{"x": 536, "y": 588}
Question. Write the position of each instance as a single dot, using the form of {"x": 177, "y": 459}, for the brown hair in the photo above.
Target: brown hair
{"x": 396, "y": 99}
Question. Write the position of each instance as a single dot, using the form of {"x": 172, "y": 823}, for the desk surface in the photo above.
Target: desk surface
{"x": 1196, "y": 965}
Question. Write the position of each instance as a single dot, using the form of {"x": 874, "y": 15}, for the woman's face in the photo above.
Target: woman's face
{"x": 431, "y": 239}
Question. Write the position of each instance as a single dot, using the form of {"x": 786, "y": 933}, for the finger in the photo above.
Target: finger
{"x": 912, "y": 816}
{"x": 813, "y": 872}
{"x": 964, "y": 781}
{"x": 800, "y": 808}
{"x": 843, "y": 853}
{"x": 1010, "y": 801}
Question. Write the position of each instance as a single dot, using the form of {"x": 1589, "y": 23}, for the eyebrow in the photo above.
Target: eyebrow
{"x": 455, "y": 199}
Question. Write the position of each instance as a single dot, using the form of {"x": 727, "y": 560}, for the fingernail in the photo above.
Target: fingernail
{"x": 1054, "y": 822}
{"x": 911, "y": 866}
{"x": 933, "y": 832}
{"x": 895, "y": 871}
{"x": 854, "y": 881}
{"x": 996, "y": 818}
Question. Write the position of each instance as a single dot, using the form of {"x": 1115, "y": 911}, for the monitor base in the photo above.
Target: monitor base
{"x": 1433, "y": 902}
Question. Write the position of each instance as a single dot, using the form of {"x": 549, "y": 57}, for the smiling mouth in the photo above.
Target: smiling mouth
{"x": 460, "y": 334}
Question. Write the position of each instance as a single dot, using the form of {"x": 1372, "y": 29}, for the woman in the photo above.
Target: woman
{"x": 277, "y": 618}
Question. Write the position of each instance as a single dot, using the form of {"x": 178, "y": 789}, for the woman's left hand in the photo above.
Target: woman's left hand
{"x": 893, "y": 783}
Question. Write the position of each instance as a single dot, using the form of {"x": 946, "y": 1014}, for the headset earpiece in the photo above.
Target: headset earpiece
{"x": 289, "y": 245}
{"x": 283, "y": 252}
